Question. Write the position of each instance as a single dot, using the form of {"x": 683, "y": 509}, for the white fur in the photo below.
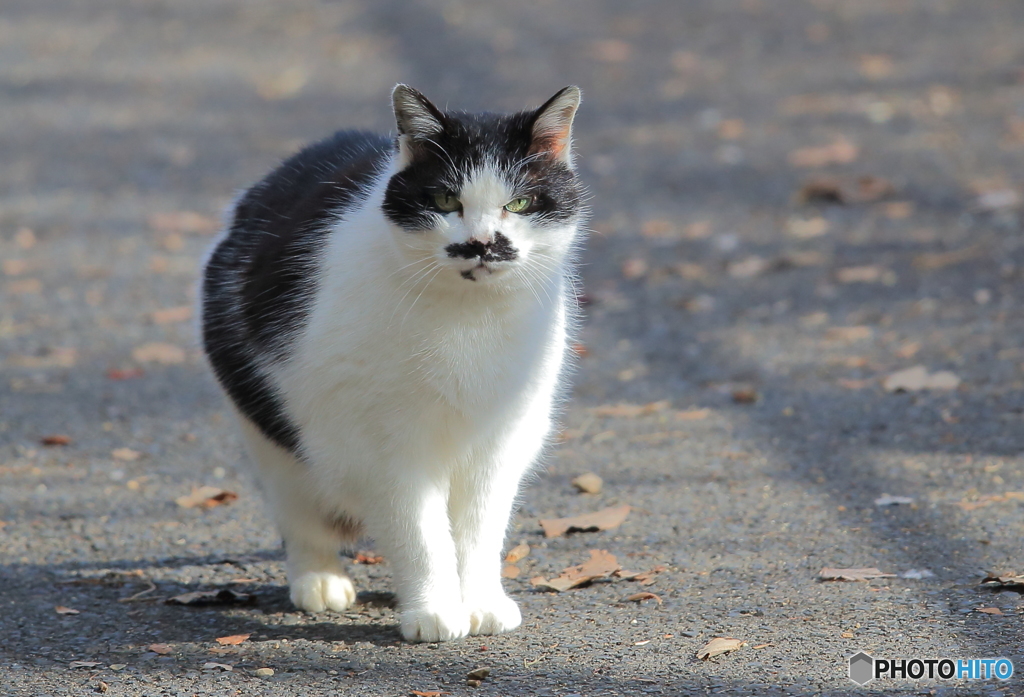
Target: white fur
{"x": 423, "y": 398}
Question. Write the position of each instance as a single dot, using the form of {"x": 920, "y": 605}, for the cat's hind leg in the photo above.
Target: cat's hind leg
{"x": 313, "y": 539}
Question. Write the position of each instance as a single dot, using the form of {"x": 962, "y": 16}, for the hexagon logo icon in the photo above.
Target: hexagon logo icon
{"x": 862, "y": 668}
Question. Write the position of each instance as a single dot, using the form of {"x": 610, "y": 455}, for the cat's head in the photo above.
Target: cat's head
{"x": 485, "y": 197}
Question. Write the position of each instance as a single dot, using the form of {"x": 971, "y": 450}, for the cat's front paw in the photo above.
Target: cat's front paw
{"x": 316, "y": 591}
{"x": 494, "y": 615}
{"x": 437, "y": 623}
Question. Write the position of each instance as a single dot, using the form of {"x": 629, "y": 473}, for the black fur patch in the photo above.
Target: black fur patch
{"x": 259, "y": 282}
{"x": 500, "y": 249}
{"x": 468, "y": 142}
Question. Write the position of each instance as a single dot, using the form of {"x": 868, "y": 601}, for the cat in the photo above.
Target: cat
{"x": 390, "y": 320}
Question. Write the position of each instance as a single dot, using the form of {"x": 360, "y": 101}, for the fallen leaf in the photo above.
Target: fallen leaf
{"x": 862, "y": 574}
{"x": 206, "y": 497}
{"x": 61, "y": 610}
{"x": 645, "y": 642}
{"x": 839, "y": 152}
{"x": 745, "y": 395}
{"x": 188, "y": 222}
{"x": 125, "y": 454}
{"x": 844, "y": 190}
{"x": 989, "y": 499}
{"x": 932, "y": 261}
{"x": 807, "y": 228}
{"x": 889, "y": 500}
{"x": 520, "y": 551}
{"x": 631, "y": 410}
{"x": 127, "y": 374}
{"x": 217, "y": 666}
{"x": 368, "y": 558}
{"x": 510, "y": 571}
{"x": 159, "y": 352}
{"x": 600, "y": 565}
{"x": 83, "y": 664}
{"x": 588, "y": 483}
{"x": 642, "y": 596}
{"x": 478, "y": 674}
{"x": 223, "y": 596}
{"x": 918, "y": 378}
{"x": 871, "y": 273}
{"x": 232, "y": 640}
{"x": 162, "y": 649}
{"x": 1009, "y": 581}
{"x": 55, "y": 440}
{"x": 605, "y": 519}
{"x": 419, "y": 693}
{"x": 168, "y": 315}
{"x": 693, "y": 414}
{"x": 719, "y": 645}
{"x": 989, "y": 610}
{"x": 760, "y": 646}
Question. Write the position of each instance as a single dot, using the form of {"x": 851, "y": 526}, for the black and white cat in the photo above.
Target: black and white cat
{"x": 390, "y": 319}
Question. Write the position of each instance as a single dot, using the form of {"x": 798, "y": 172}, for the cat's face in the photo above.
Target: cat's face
{"x": 484, "y": 198}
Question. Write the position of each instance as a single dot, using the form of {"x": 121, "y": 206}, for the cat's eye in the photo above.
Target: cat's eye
{"x": 446, "y": 202}
{"x": 519, "y": 205}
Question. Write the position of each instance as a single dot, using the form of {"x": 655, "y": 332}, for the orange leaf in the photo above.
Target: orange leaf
{"x": 232, "y": 640}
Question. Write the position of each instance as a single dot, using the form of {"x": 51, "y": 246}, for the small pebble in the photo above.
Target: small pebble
{"x": 474, "y": 683}
{"x": 264, "y": 672}
{"x": 588, "y": 483}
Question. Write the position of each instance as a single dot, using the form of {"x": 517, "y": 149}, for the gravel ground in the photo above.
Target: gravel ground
{"x": 757, "y": 324}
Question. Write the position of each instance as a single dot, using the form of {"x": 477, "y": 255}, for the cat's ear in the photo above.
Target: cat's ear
{"x": 552, "y": 126}
{"x": 417, "y": 118}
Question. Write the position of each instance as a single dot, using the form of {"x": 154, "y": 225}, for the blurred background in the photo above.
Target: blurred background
{"x": 801, "y": 291}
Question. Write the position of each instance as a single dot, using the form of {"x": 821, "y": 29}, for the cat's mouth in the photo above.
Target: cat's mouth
{"x": 481, "y": 270}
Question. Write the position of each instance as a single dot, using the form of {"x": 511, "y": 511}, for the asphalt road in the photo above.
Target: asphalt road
{"x": 767, "y": 320}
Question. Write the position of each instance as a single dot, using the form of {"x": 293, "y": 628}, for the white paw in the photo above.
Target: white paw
{"x": 316, "y": 591}
{"x": 494, "y": 615}
{"x": 435, "y": 623}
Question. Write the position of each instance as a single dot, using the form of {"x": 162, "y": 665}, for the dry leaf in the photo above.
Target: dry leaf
{"x": 989, "y": 499}
{"x": 600, "y": 565}
{"x": 184, "y": 222}
{"x": 871, "y": 273}
{"x": 605, "y": 519}
{"x": 207, "y": 497}
{"x": 588, "y": 483}
{"x": 510, "y": 571}
{"x": 989, "y": 610}
{"x": 642, "y": 596}
{"x": 719, "y": 645}
{"x": 745, "y": 395}
{"x": 182, "y": 313}
{"x": 419, "y": 693}
{"x": 162, "y": 649}
{"x": 125, "y": 454}
{"x": 805, "y": 229}
{"x": 224, "y": 596}
{"x": 918, "y": 378}
{"x": 83, "y": 664}
{"x": 863, "y": 574}
{"x": 839, "y": 152}
{"x": 159, "y": 352}
{"x": 61, "y": 610}
{"x": 1010, "y": 581}
{"x": 368, "y": 558}
{"x": 232, "y": 640}
{"x": 217, "y": 666}
{"x": 932, "y": 261}
{"x": 128, "y": 374}
{"x": 55, "y": 440}
{"x": 844, "y": 190}
{"x": 520, "y": 551}
{"x": 631, "y": 410}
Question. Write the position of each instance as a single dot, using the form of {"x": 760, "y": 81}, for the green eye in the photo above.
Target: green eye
{"x": 519, "y": 205}
{"x": 447, "y": 202}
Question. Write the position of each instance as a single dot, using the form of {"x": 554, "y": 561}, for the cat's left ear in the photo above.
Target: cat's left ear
{"x": 552, "y": 126}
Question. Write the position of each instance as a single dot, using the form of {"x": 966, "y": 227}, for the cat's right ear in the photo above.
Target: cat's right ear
{"x": 418, "y": 120}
